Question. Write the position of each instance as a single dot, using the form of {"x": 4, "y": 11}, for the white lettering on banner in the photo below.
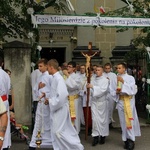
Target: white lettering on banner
{"x": 92, "y": 21}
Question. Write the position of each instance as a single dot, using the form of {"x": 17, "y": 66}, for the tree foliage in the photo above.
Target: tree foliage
{"x": 14, "y": 19}
{"x": 16, "y": 22}
{"x": 141, "y": 8}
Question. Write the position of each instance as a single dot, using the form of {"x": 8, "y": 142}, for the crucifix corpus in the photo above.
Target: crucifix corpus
{"x": 88, "y": 55}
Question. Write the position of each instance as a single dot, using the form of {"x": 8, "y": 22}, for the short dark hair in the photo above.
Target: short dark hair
{"x": 108, "y": 64}
{"x": 43, "y": 60}
{"x": 54, "y": 63}
{"x": 82, "y": 65}
{"x": 99, "y": 66}
{"x": 72, "y": 63}
{"x": 123, "y": 64}
{"x": 94, "y": 65}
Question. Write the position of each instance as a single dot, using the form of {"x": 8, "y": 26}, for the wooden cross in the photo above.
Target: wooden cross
{"x": 88, "y": 55}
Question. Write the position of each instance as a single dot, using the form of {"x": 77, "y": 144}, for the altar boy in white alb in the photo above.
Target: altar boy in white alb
{"x": 64, "y": 135}
{"x": 42, "y": 120}
{"x": 99, "y": 107}
{"x": 73, "y": 86}
{"x": 126, "y": 107}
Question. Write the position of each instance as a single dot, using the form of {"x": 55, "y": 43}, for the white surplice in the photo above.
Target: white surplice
{"x": 83, "y": 91}
{"x": 63, "y": 133}
{"x": 4, "y": 90}
{"x": 73, "y": 86}
{"x": 34, "y": 77}
{"x": 128, "y": 88}
{"x": 2, "y": 107}
{"x": 99, "y": 106}
{"x": 83, "y": 80}
{"x": 42, "y": 120}
{"x": 111, "y": 95}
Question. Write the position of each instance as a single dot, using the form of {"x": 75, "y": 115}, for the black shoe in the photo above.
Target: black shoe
{"x": 32, "y": 148}
{"x": 126, "y": 144}
{"x": 130, "y": 145}
{"x": 5, "y": 148}
{"x": 102, "y": 140}
{"x": 95, "y": 141}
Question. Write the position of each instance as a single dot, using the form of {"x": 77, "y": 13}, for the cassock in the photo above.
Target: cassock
{"x": 73, "y": 86}
{"x": 99, "y": 107}
{"x": 111, "y": 95}
{"x": 128, "y": 88}
{"x": 42, "y": 120}
{"x": 64, "y": 135}
{"x": 4, "y": 91}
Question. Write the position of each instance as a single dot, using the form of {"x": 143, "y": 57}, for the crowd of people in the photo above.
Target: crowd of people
{"x": 60, "y": 104}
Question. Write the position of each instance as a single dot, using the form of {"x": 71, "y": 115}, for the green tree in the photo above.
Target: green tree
{"x": 137, "y": 8}
{"x": 15, "y": 21}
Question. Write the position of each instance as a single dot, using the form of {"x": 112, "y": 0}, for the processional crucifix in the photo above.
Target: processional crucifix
{"x": 88, "y": 55}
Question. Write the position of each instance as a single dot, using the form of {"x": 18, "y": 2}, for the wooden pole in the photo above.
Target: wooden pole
{"x": 87, "y": 103}
{"x": 88, "y": 93}
{"x": 88, "y": 56}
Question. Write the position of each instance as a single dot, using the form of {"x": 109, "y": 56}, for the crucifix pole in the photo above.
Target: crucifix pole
{"x": 88, "y": 57}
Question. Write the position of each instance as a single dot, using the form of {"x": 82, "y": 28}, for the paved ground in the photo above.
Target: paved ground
{"x": 113, "y": 141}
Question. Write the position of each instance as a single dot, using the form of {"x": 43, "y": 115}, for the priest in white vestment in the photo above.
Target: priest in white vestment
{"x": 64, "y": 135}
{"x": 99, "y": 107}
{"x": 4, "y": 91}
{"x": 126, "y": 107}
